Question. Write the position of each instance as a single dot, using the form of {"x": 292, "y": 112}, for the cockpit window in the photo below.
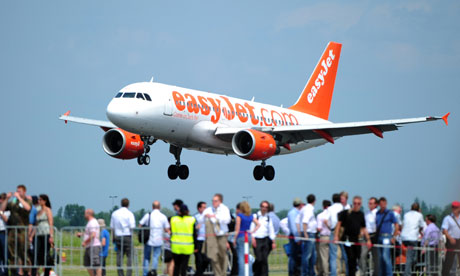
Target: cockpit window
{"x": 119, "y": 95}
{"x": 139, "y": 96}
{"x": 129, "y": 95}
{"x": 147, "y": 97}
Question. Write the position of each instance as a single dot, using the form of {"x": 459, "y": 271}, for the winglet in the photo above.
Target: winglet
{"x": 66, "y": 114}
{"x": 444, "y": 118}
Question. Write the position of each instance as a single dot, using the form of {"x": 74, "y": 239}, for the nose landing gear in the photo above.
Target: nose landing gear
{"x": 177, "y": 170}
{"x": 144, "y": 159}
{"x": 261, "y": 171}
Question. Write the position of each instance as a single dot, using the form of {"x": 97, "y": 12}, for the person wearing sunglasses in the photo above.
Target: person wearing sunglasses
{"x": 354, "y": 225}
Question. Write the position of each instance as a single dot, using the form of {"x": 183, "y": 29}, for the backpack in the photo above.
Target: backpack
{"x": 144, "y": 234}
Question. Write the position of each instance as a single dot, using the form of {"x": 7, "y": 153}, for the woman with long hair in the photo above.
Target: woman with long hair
{"x": 44, "y": 234}
{"x": 244, "y": 219}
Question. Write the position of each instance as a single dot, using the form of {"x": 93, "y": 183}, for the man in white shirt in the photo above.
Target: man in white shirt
{"x": 218, "y": 217}
{"x": 324, "y": 234}
{"x": 92, "y": 245}
{"x": 307, "y": 226}
{"x": 263, "y": 240}
{"x": 201, "y": 261}
{"x": 413, "y": 225}
{"x": 334, "y": 210}
{"x": 158, "y": 224}
{"x": 371, "y": 226}
{"x": 122, "y": 224}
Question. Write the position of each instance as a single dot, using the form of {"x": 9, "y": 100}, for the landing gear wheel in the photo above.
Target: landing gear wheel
{"x": 183, "y": 172}
{"x": 147, "y": 149}
{"x": 140, "y": 160}
{"x": 258, "y": 172}
{"x": 173, "y": 172}
{"x": 146, "y": 159}
{"x": 269, "y": 173}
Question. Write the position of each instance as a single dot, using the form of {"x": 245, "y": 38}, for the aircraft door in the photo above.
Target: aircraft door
{"x": 168, "y": 107}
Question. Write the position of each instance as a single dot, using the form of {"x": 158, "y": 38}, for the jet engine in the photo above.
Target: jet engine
{"x": 121, "y": 144}
{"x": 253, "y": 144}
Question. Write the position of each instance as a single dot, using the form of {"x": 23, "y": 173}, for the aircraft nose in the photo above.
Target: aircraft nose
{"x": 115, "y": 112}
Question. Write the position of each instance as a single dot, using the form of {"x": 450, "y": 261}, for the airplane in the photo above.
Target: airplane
{"x": 144, "y": 112}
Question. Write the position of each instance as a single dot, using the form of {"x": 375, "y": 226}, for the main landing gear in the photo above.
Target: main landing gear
{"x": 261, "y": 171}
{"x": 144, "y": 159}
{"x": 177, "y": 170}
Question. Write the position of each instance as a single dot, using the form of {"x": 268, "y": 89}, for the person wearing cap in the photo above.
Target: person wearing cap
{"x": 451, "y": 228}
{"x": 296, "y": 249}
{"x": 105, "y": 243}
{"x": 183, "y": 239}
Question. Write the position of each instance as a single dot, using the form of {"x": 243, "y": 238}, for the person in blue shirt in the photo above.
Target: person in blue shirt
{"x": 295, "y": 246}
{"x": 385, "y": 221}
{"x": 105, "y": 243}
{"x": 244, "y": 219}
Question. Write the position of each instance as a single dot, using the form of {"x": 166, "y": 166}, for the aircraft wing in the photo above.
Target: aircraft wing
{"x": 105, "y": 125}
{"x": 330, "y": 131}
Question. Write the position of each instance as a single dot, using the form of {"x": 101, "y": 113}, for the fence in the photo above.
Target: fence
{"x": 67, "y": 257}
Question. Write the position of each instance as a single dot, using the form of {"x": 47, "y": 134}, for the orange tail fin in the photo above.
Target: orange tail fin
{"x": 316, "y": 97}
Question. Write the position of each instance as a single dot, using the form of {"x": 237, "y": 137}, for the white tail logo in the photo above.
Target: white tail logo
{"x": 320, "y": 80}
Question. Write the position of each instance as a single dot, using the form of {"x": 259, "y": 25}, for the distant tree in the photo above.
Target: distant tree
{"x": 282, "y": 213}
{"x": 60, "y": 222}
{"x": 75, "y": 214}
{"x": 139, "y": 214}
{"x": 168, "y": 212}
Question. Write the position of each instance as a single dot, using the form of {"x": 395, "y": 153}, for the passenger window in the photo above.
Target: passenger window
{"x": 139, "y": 96}
{"x": 129, "y": 95}
{"x": 118, "y": 95}
{"x": 147, "y": 97}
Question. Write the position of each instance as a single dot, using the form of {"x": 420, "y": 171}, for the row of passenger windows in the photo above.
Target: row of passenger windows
{"x": 142, "y": 96}
{"x": 268, "y": 120}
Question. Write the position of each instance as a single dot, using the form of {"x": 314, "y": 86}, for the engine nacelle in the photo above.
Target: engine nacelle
{"x": 253, "y": 144}
{"x": 121, "y": 144}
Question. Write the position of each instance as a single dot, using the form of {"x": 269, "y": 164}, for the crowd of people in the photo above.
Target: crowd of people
{"x": 339, "y": 238}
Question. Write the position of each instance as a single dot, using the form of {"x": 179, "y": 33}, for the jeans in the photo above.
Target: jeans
{"x": 332, "y": 256}
{"x": 240, "y": 253}
{"x": 385, "y": 266}
{"x": 308, "y": 256}
{"x": 295, "y": 257}
{"x": 147, "y": 254}
{"x": 3, "y": 254}
{"x": 410, "y": 256}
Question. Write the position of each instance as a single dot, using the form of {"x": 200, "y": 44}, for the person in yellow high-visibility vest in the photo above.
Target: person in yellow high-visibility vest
{"x": 183, "y": 239}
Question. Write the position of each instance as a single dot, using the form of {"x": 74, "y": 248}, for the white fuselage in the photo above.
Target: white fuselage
{"x": 189, "y": 118}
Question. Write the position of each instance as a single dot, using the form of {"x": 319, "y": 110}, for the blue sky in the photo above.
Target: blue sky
{"x": 399, "y": 60}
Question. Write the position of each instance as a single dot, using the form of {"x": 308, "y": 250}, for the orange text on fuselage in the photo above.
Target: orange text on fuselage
{"x": 216, "y": 107}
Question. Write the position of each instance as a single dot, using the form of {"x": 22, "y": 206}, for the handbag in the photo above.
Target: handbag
{"x": 144, "y": 234}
